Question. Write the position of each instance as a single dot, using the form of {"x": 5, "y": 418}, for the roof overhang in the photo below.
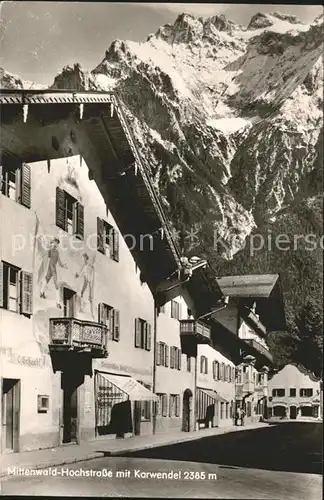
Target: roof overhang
{"x": 262, "y": 289}
{"x": 204, "y": 290}
{"x": 45, "y": 125}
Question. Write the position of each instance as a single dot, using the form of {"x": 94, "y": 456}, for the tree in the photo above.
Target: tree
{"x": 309, "y": 336}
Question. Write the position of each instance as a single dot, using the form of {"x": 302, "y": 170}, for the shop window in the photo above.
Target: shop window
{"x": 15, "y": 182}
{"x": 16, "y": 289}
{"x": 142, "y": 334}
{"x": 69, "y": 214}
{"x": 306, "y": 393}
{"x": 107, "y": 239}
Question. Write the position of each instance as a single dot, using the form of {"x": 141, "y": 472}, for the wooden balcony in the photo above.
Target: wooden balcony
{"x": 259, "y": 348}
{"x": 74, "y": 335}
{"x": 195, "y": 330}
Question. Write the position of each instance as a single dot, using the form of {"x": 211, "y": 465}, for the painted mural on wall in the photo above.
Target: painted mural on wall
{"x": 59, "y": 265}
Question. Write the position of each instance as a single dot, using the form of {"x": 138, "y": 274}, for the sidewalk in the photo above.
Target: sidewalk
{"x": 68, "y": 454}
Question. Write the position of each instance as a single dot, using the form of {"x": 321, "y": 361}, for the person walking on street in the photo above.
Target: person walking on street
{"x": 242, "y": 417}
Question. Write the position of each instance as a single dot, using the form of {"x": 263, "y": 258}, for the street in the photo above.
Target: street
{"x": 226, "y": 466}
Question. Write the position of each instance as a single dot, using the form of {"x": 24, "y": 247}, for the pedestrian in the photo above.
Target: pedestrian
{"x": 237, "y": 415}
{"x": 242, "y": 416}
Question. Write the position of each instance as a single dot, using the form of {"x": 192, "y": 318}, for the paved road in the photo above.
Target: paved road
{"x": 231, "y": 482}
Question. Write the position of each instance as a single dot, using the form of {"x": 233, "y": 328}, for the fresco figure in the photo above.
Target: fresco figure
{"x": 53, "y": 257}
{"x": 87, "y": 272}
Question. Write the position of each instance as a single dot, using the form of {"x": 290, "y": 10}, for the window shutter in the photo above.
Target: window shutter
{"x": 201, "y": 364}
{"x": 100, "y": 235}
{"x": 80, "y": 221}
{"x": 170, "y": 405}
{"x": 137, "y": 332}
{"x": 114, "y": 252}
{"x": 26, "y": 304}
{"x": 116, "y": 330}
{"x": 60, "y": 209}
{"x": 101, "y": 318}
{"x": 25, "y": 185}
{"x": 214, "y": 370}
{"x": 1, "y": 284}
{"x": 172, "y": 357}
{"x": 177, "y": 405}
{"x": 164, "y": 405}
{"x": 148, "y": 337}
{"x": 158, "y": 353}
{"x": 179, "y": 359}
{"x": 166, "y": 355}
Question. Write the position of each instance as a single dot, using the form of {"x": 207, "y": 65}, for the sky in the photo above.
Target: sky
{"x": 38, "y": 38}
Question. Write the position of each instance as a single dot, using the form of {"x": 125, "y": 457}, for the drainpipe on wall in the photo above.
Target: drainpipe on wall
{"x": 154, "y": 364}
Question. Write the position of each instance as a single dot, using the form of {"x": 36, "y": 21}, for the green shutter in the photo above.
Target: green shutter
{"x": 25, "y": 185}
{"x": 100, "y": 235}
{"x": 80, "y": 221}
{"x": 60, "y": 209}
{"x": 116, "y": 331}
{"x": 26, "y": 305}
{"x": 137, "y": 332}
{"x": 148, "y": 337}
{"x": 1, "y": 284}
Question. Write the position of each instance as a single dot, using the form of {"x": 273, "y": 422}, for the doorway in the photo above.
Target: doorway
{"x": 70, "y": 415}
{"x": 293, "y": 413}
{"x": 10, "y": 404}
{"x": 186, "y": 408}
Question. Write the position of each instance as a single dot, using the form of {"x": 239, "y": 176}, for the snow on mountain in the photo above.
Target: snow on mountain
{"x": 229, "y": 120}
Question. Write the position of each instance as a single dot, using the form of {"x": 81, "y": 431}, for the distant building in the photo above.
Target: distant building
{"x": 294, "y": 394}
{"x": 255, "y": 307}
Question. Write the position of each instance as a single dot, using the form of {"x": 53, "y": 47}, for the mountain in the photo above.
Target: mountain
{"x": 229, "y": 120}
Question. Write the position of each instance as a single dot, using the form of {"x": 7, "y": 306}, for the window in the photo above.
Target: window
{"x": 280, "y": 393}
{"x": 145, "y": 406}
{"x": 228, "y": 373}
{"x": 259, "y": 379}
{"x": 69, "y": 302}
{"x": 162, "y": 405}
{"x": 162, "y": 354}
{"x": 215, "y": 370}
{"x": 306, "y": 393}
{"x": 239, "y": 375}
{"x": 226, "y": 410}
{"x": 15, "y": 182}
{"x": 111, "y": 318}
{"x": 107, "y": 239}
{"x": 174, "y": 405}
{"x": 292, "y": 393}
{"x": 222, "y": 371}
{"x": 203, "y": 365}
{"x": 16, "y": 289}
{"x": 188, "y": 363}
{"x": 69, "y": 214}
{"x": 142, "y": 334}
{"x": 222, "y": 410}
{"x": 175, "y": 309}
{"x": 233, "y": 374}
{"x": 175, "y": 358}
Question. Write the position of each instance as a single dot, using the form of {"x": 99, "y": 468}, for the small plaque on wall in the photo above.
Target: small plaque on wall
{"x": 42, "y": 404}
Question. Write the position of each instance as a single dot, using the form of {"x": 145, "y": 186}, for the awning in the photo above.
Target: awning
{"x": 213, "y": 395}
{"x": 134, "y": 390}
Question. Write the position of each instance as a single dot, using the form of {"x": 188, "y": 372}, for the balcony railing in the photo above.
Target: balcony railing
{"x": 260, "y": 348}
{"x": 71, "y": 333}
{"x": 244, "y": 387}
{"x": 195, "y": 329}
